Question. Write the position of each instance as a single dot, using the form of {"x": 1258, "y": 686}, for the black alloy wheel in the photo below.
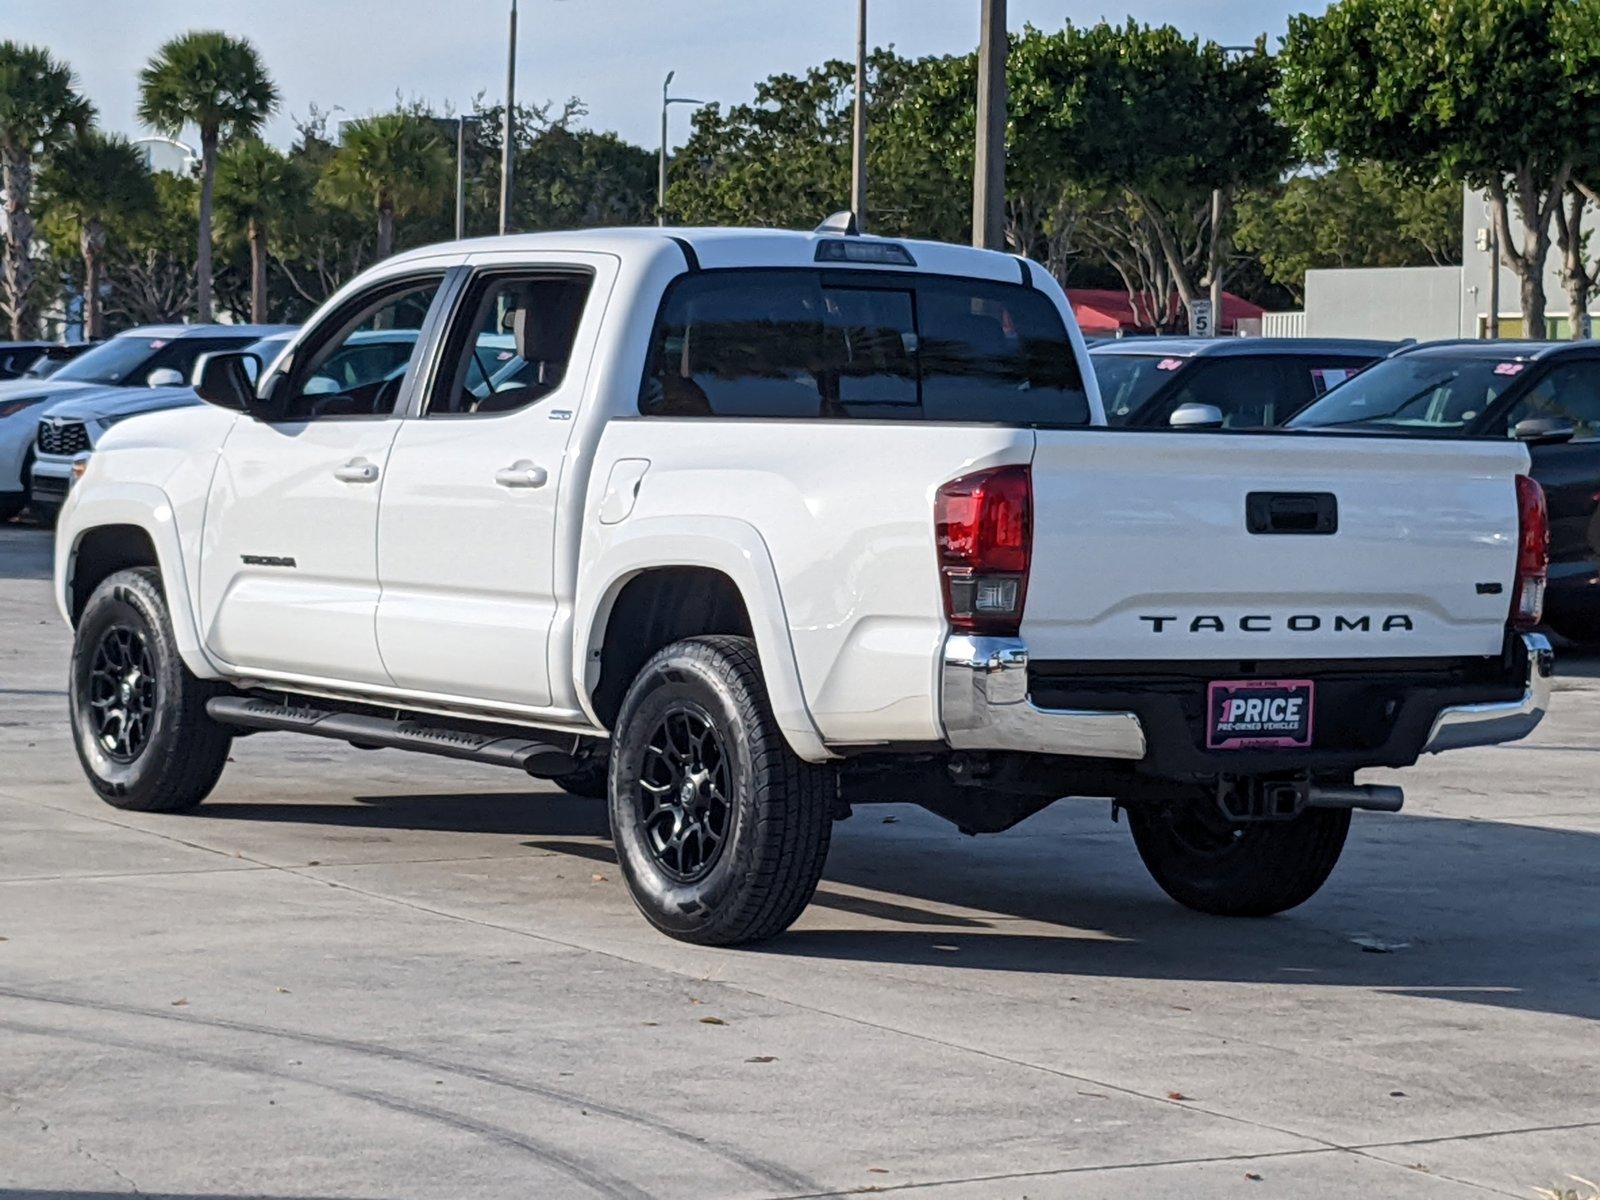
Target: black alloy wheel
{"x": 123, "y": 693}
{"x": 683, "y": 794}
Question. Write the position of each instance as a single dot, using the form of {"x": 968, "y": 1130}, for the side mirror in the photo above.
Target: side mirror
{"x": 164, "y": 377}
{"x": 225, "y": 378}
{"x": 1196, "y": 416}
{"x": 1542, "y": 431}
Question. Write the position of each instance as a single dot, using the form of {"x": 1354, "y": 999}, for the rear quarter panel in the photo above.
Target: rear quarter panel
{"x": 844, "y": 512}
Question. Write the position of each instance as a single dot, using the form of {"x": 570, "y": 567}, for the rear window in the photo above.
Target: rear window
{"x": 861, "y": 345}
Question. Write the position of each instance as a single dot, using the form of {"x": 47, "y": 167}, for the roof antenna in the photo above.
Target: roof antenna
{"x": 843, "y": 221}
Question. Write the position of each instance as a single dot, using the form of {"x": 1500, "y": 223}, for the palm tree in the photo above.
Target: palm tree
{"x": 393, "y": 164}
{"x": 39, "y": 107}
{"x": 217, "y": 83}
{"x": 256, "y": 187}
{"x": 97, "y": 181}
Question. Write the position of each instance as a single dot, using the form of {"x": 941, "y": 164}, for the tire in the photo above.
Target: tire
{"x": 164, "y": 753}
{"x": 1246, "y": 870}
{"x": 588, "y": 781}
{"x": 698, "y": 712}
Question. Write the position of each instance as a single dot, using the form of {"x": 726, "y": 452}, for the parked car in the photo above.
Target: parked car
{"x": 69, "y": 430}
{"x": 150, "y": 356}
{"x": 747, "y": 527}
{"x": 1238, "y": 383}
{"x": 55, "y": 356}
{"x": 17, "y": 357}
{"x": 1545, "y": 394}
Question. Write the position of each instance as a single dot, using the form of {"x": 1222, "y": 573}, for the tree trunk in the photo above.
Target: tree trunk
{"x": 257, "y": 234}
{"x": 385, "y": 231}
{"x": 1539, "y": 203}
{"x": 16, "y": 176}
{"x": 1575, "y": 275}
{"x": 202, "y": 257}
{"x": 93, "y": 243}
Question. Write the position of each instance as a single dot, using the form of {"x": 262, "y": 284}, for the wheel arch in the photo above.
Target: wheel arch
{"x": 119, "y": 527}
{"x": 657, "y": 584}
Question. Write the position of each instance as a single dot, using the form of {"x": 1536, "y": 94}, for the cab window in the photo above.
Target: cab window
{"x": 513, "y": 346}
{"x": 358, "y": 367}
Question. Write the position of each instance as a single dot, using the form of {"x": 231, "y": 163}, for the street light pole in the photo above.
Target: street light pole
{"x": 661, "y": 166}
{"x": 989, "y": 167}
{"x": 858, "y": 144}
{"x": 507, "y": 125}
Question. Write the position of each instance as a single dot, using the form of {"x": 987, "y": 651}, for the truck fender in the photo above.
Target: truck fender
{"x": 146, "y": 507}
{"x": 723, "y": 544}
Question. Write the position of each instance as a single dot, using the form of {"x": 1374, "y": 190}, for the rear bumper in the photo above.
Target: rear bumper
{"x": 985, "y": 705}
{"x": 993, "y": 698}
{"x": 1487, "y": 724}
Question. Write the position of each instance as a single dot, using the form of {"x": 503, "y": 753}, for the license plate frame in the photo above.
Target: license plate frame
{"x": 1276, "y": 723}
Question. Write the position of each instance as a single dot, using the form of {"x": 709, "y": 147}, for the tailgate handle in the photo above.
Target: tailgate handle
{"x": 1292, "y": 512}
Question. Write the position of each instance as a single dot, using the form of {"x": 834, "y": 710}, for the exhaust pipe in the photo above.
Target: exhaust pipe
{"x": 1376, "y": 796}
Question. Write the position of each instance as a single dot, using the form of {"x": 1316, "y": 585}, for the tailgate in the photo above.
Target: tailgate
{"x": 1143, "y": 550}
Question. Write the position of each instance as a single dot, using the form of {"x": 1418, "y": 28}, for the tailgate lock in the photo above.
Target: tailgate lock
{"x": 1291, "y": 512}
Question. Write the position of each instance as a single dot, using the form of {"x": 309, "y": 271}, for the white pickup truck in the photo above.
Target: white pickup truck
{"x": 739, "y": 528}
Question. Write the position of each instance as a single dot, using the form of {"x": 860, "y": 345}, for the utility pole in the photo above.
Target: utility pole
{"x": 858, "y": 143}
{"x": 461, "y": 178}
{"x": 989, "y": 167}
{"x": 507, "y": 127}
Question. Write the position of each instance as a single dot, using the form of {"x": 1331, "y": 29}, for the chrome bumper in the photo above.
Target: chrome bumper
{"x": 1504, "y": 721}
{"x": 985, "y": 706}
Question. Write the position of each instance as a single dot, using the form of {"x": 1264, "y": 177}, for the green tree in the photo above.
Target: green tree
{"x": 784, "y": 159}
{"x": 1179, "y": 126}
{"x": 97, "y": 182}
{"x": 257, "y": 186}
{"x": 218, "y": 84}
{"x": 39, "y": 109}
{"x": 392, "y": 164}
{"x": 1360, "y": 215}
{"x": 1500, "y": 94}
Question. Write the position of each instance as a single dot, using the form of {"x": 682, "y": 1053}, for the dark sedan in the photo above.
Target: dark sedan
{"x": 1545, "y": 393}
{"x": 1238, "y": 383}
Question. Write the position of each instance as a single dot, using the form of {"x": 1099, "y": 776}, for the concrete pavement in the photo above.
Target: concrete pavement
{"x": 379, "y": 975}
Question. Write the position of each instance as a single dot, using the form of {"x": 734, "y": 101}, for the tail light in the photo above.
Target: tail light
{"x": 1533, "y": 555}
{"x": 983, "y": 525}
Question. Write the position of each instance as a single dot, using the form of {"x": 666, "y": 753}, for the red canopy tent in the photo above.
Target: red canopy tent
{"x": 1105, "y": 312}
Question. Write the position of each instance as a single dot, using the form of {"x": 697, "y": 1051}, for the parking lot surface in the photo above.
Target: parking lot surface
{"x": 377, "y": 975}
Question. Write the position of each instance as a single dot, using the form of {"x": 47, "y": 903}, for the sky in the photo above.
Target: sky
{"x": 354, "y": 57}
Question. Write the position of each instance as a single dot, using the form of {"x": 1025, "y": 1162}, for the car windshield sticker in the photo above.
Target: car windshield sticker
{"x": 1169, "y": 364}
{"x": 1511, "y": 368}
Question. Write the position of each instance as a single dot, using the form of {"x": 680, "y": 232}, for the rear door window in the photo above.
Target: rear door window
{"x": 861, "y": 345}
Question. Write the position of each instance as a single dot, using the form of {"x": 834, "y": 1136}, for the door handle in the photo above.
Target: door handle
{"x": 522, "y": 474}
{"x": 357, "y": 470}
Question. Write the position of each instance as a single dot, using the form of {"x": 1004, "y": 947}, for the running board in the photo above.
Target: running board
{"x": 543, "y": 757}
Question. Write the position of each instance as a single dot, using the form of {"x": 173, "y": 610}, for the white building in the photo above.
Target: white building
{"x": 1432, "y": 302}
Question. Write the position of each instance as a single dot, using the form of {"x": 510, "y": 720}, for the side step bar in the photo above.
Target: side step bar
{"x": 551, "y": 754}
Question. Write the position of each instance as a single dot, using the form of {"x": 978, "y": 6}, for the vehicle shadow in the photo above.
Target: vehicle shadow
{"x": 1470, "y": 911}
{"x": 1482, "y": 912}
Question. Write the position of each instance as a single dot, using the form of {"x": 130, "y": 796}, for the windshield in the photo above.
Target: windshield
{"x": 1127, "y": 381}
{"x": 1435, "y": 392}
{"x": 116, "y": 361}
